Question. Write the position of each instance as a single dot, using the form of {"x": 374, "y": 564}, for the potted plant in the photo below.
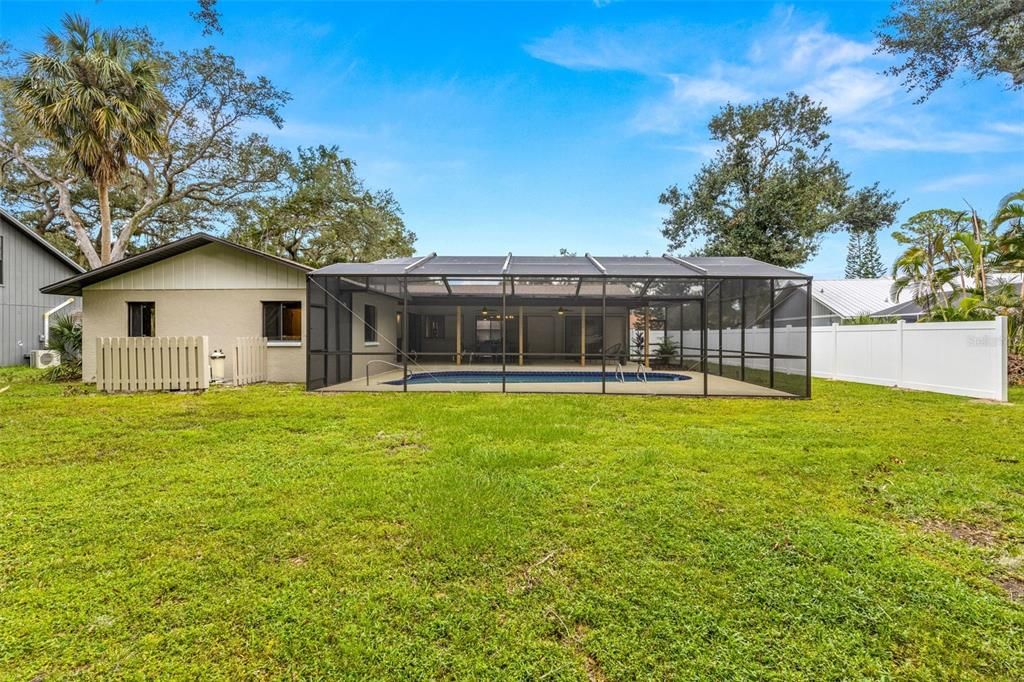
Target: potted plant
{"x": 666, "y": 351}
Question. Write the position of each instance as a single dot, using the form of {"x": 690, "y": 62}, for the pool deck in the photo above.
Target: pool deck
{"x": 716, "y": 385}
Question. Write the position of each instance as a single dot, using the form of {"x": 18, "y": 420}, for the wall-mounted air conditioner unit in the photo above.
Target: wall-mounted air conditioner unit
{"x": 41, "y": 359}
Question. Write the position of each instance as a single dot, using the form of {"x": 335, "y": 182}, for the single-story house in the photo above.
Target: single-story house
{"x": 27, "y": 263}
{"x": 835, "y": 300}
{"x": 197, "y": 286}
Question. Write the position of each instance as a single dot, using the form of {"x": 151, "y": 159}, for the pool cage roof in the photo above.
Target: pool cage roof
{"x": 667, "y": 266}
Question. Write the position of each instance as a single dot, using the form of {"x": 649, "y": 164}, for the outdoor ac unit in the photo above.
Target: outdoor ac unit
{"x": 41, "y": 359}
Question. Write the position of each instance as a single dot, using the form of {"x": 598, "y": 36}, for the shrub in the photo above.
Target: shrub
{"x": 666, "y": 350}
{"x": 66, "y": 339}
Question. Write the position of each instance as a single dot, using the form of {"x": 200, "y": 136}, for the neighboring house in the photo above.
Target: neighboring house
{"x": 835, "y": 300}
{"x": 27, "y": 262}
{"x": 197, "y": 286}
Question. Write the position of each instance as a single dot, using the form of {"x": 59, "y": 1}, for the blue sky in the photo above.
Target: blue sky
{"x": 530, "y": 127}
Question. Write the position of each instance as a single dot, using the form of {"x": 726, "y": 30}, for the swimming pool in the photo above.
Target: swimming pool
{"x": 519, "y": 377}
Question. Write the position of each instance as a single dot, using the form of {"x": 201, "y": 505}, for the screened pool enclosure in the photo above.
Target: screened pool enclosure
{"x": 628, "y": 325}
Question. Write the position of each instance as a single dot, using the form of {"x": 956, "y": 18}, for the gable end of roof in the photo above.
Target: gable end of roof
{"x": 45, "y": 245}
{"x": 73, "y": 286}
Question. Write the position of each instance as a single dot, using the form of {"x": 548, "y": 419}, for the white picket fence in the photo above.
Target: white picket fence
{"x": 164, "y": 363}
{"x": 250, "y": 360}
{"x": 960, "y": 358}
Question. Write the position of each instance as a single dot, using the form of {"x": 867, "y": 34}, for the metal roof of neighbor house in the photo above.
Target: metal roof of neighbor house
{"x": 852, "y": 297}
{"x": 53, "y": 250}
{"x": 510, "y": 265}
{"x": 72, "y": 286}
{"x": 907, "y": 308}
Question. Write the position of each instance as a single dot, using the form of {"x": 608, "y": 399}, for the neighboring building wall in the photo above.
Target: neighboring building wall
{"x": 212, "y": 291}
{"x": 27, "y": 266}
{"x": 822, "y": 315}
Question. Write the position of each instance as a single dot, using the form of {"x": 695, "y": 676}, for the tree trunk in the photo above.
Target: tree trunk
{"x": 106, "y": 236}
{"x": 981, "y": 255}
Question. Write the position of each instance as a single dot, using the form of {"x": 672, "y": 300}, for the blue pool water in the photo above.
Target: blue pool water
{"x": 516, "y": 377}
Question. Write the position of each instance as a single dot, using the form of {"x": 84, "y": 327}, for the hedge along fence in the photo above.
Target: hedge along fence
{"x": 961, "y": 358}
{"x": 162, "y": 363}
{"x": 250, "y": 360}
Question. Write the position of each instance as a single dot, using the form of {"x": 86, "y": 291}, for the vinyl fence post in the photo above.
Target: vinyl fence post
{"x": 1002, "y": 357}
{"x": 835, "y": 350}
{"x": 899, "y": 353}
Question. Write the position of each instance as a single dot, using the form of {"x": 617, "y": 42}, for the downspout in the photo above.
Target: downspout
{"x": 46, "y": 320}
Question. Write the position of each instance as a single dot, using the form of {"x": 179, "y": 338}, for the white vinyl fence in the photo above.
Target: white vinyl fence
{"x": 250, "y": 360}
{"x": 961, "y": 358}
{"x": 163, "y": 363}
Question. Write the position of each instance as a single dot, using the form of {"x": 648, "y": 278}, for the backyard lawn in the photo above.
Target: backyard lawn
{"x": 267, "y": 532}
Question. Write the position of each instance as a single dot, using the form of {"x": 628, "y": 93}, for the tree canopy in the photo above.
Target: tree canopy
{"x": 324, "y": 215}
{"x": 209, "y": 170}
{"x": 935, "y": 38}
{"x": 94, "y": 97}
{"x": 772, "y": 189}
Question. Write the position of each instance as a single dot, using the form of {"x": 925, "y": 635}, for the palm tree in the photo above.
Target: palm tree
{"x": 915, "y": 270}
{"x": 97, "y": 99}
{"x": 1011, "y": 210}
{"x": 1010, "y": 245}
{"x": 976, "y": 253}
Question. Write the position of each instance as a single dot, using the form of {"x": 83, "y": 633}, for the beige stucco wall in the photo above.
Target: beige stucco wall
{"x": 221, "y": 314}
{"x": 387, "y": 334}
{"x": 213, "y": 291}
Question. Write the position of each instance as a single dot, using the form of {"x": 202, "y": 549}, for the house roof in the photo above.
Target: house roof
{"x": 907, "y": 308}
{"x": 73, "y": 286}
{"x": 46, "y": 246}
{"x": 852, "y": 297}
{"x": 432, "y": 265}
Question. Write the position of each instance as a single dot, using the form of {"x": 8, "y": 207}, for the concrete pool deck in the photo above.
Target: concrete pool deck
{"x": 717, "y": 385}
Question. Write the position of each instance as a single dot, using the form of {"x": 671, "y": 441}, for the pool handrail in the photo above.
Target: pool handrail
{"x": 641, "y": 372}
{"x": 383, "y": 362}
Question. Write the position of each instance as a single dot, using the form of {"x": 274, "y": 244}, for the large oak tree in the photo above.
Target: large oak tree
{"x": 935, "y": 38}
{"x": 207, "y": 166}
{"x": 325, "y": 214}
{"x": 772, "y": 190}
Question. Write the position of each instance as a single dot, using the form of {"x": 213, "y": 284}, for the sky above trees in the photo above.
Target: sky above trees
{"x": 533, "y": 127}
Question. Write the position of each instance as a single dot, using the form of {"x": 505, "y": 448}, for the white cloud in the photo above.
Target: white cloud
{"x": 602, "y": 50}
{"x": 669, "y": 114}
{"x": 786, "y": 53}
{"x": 816, "y": 49}
{"x": 956, "y": 181}
{"x": 1008, "y": 128}
{"x": 848, "y": 90}
{"x": 920, "y": 139}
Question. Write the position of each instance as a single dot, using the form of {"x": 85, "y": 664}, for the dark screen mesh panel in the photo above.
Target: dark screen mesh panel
{"x": 329, "y": 332}
{"x": 757, "y": 302}
{"x": 790, "y": 337}
{"x": 748, "y": 332}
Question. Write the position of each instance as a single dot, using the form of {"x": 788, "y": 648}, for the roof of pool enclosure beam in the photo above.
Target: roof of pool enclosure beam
{"x": 637, "y": 267}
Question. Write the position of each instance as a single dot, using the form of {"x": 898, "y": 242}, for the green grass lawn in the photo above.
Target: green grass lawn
{"x": 267, "y": 532}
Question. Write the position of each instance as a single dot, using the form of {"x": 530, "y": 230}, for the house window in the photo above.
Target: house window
{"x": 282, "y": 320}
{"x": 369, "y": 323}
{"x": 434, "y": 327}
{"x": 142, "y": 319}
{"x": 488, "y": 333}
